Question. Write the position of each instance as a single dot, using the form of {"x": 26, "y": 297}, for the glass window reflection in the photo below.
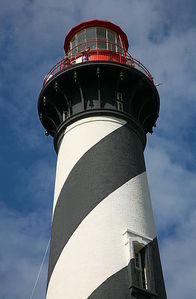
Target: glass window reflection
{"x": 111, "y": 40}
{"x": 81, "y": 37}
{"x": 91, "y": 33}
{"x": 95, "y": 38}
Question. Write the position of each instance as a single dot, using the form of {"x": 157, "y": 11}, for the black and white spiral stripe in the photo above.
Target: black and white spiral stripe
{"x": 101, "y": 190}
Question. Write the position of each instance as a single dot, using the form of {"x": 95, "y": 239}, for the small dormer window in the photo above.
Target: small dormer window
{"x": 140, "y": 266}
{"x": 139, "y": 254}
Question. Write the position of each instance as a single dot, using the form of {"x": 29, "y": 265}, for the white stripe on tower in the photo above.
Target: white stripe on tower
{"x": 101, "y": 191}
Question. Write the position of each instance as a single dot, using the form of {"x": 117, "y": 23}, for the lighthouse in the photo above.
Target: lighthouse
{"x": 98, "y": 103}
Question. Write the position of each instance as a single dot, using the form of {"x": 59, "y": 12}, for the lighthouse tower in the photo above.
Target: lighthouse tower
{"x": 98, "y": 103}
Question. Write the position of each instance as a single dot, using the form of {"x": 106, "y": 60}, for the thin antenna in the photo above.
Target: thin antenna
{"x": 40, "y": 269}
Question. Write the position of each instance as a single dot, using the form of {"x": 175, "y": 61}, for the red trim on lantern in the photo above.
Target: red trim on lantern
{"x": 96, "y": 23}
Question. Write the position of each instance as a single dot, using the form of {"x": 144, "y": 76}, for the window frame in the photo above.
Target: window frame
{"x": 142, "y": 268}
{"x": 119, "y": 101}
{"x": 134, "y": 243}
{"x": 116, "y": 46}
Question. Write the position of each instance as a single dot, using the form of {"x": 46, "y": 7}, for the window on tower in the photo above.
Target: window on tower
{"x": 119, "y": 101}
{"x": 141, "y": 266}
{"x": 141, "y": 270}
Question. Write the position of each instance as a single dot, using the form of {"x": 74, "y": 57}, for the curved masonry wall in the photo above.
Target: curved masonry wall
{"x": 101, "y": 199}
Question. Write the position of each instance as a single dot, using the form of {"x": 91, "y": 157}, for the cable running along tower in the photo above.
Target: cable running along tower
{"x": 98, "y": 103}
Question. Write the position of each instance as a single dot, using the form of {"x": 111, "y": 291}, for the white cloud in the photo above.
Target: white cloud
{"x": 178, "y": 259}
{"x": 173, "y": 191}
{"x": 172, "y": 186}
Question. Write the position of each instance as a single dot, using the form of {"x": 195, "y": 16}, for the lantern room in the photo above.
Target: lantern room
{"x": 97, "y": 76}
{"x": 96, "y": 40}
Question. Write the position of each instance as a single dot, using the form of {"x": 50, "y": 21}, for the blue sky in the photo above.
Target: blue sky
{"x": 162, "y": 34}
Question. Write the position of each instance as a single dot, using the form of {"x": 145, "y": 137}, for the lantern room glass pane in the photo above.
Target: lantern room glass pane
{"x": 81, "y": 48}
{"x": 73, "y": 43}
{"x": 91, "y": 45}
{"x": 91, "y": 38}
{"x": 91, "y": 33}
{"x": 81, "y": 37}
{"x": 101, "y": 33}
{"x": 119, "y": 47}
{"x": 111, "y": 41}
{"x": 95, "y": 38}
{"x": 101, "y": 38}
{"x": 74, "y": 51}
{"x": 102, "y": 45}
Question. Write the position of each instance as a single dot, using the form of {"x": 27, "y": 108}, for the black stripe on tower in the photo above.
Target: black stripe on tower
{"x": 123, "y": 285}
{"x": 105, "y": 167}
